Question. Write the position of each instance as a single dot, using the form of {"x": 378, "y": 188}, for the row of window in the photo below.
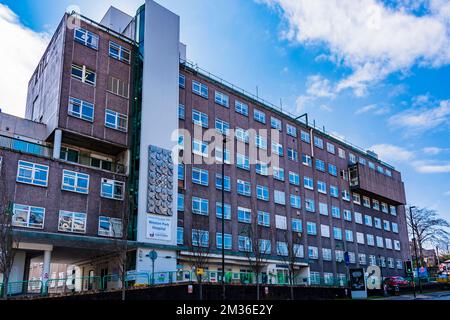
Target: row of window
{"x": 201, "y": 238}
{"x": 85, "y": 110}
{"x": 73, "y": 222}
{"x": 36, "y": 174}
{"x": 91, "y": 40}
{"x": 275, "y": 123}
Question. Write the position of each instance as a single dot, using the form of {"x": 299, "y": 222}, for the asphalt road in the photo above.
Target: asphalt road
{"x": 444, "y": 295}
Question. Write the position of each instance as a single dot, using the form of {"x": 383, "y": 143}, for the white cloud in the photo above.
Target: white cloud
{"x": 325, "y": 107}
{"x": 434, "y": 150}
{"x": 371, "y": 39}
{"x": 391, "y": 153}
{"x": 431, "y": 167}
{"x": 366, "y": 109}
{"x": 373, "y": 108}
{"x": 319, "y": 87}
{"x": 417, "y": 120}
{"x": 21, "y": 50}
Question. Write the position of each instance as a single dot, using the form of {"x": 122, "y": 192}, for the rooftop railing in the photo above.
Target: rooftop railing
{"x": 293, "y": 117}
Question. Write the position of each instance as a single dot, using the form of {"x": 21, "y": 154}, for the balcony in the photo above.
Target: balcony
{"x": 9, "y": 143}
{"x": 371, "y": 182}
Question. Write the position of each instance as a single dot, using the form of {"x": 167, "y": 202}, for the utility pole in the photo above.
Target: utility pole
{"x": 415, "y": 246}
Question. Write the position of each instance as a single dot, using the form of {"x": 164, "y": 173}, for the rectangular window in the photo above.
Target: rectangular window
{"x": 244, "y": 188}
{"x": 200, "y": 118}
{"x": 356, "y": 198}
{"x": 244, "y": 215}
{"x": 261, "y": 142}
{"x": 345, "y": 195}
{"x": 358, "y": 218}
{"x": 310, "y": 205}
{"x": 228, "y": 240}
{"x": 360, "y": 238}
{"x": 366, "y": 202}
{"x": 297, "y": 225}
{"x": 262, "y": 169}
{"x": 377, "y": 223}
{"x": 372, "y": 165}
{"x": 200, "y": 148}
{"x": 393, "y": 210}
{"x": 200, "y": 238}
{"x": 311, "y": 228}
{"x": 294, "y": 178}
{"x": 84, "y": 74}
{"x": 320, "y": 165}
{"x": 265, "y": 247}
{"x": 182, "y": 81}
{"x": 337, "y": 233}
{"x": 330, "y": 148}
{"x": 334, "y": 191}
{"x": 110, "y": 227}
{"x": 296, "y": 201}
{"x": 241, "y": 108}
{"x": 69, "y": 155}
{"x": 368, "y": 220}
{"x": 275, "y": 123}
{"x": 305, "y": 136}
{"x": 262, "y": 193}
{"x": 28, "y": 217}
{"x": 219, "y": 182}
{"x": 81, "y": 109}
{"x": 280, "y": 222}
{"x": 74, "y": 222}
{"x": 259, "y": 116}
{"x": 220, "y": 157}
{"x": 349, "y": 235}
{"x": 180, "y": 236}
{"x": 324, "y": 231}
{"x": 112, "y": 189}
{"x": 292, "y": 154}
{"x": 386, "y": 225}
{"x": 313, "y": 252}
{"x": 323, "y": 208}
{"x": 180, "y": 202}
{"x": 242, "y": 162}
{"x": 308, "y": 183}
{"x": 384, "y": 207}
{"x": 118, "y": 87}
{"x": 306, "y": 160}
{"x": 222, "y": 99}
{"x": 291, "y": 130}
{"x": 242, "y": 135}
{"x": 219, "y": 211}
{"x": 326, "y": 254}
{"x": 397, "y": 246}
{"x": 115, "y": 120}
{"x": 222, "y": 127}
{"x": 280, "y": 197}
{"x": 86, "y": 38}
{"x": 322, "y": 187}
{"x": 278, "y": 173}
{"x": 318, "y": 142}
{"x": 332, "y": 169}
{"x": 277, "y": 148}
{"x": 75, "y": 182}
{"x": 244, "y": 244}
{"x": 341, "y": 153}
{"x": 32, "y": 173}
{"x": 200, "y": 176}
{"x": 336, "y": 212}
{"x": 120, "y": 53}
{"x": 347, "y": 215}
{"x": 380, "y": 242}
{"x": 376, "y": 205}
{"x": 200, "y": 206}
{"x": 394, "y": 227}
{"x": 282, "y": 248}
{"x": 263, "y": 219}
{"x": 200, "y": 89}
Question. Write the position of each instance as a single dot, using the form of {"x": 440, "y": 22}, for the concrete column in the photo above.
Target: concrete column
{"x": 46, "y": 268}
{"x": 57, "y": 144}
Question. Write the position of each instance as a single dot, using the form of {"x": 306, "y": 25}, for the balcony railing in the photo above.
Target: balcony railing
{"x": 47, "y": 152}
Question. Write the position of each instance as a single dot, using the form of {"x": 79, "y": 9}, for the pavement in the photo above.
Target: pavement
{"x": 443, "y": 295}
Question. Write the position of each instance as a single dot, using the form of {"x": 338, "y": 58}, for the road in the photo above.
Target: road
{"x": 443, "y": 295}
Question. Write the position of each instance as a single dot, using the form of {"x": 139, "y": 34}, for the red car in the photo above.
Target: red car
{"x": 396, "y": 281}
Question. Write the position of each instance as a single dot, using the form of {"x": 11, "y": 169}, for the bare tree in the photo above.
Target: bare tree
{"x": 8, "y": 240}
{"x": 428, "y": 227}
{"x": 290, "y": 258}
{"x": 200, "y": 249}
{"x": 258, "y": 252}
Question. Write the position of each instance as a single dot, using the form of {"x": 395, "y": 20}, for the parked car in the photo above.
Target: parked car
{"x": 396, "y": 281}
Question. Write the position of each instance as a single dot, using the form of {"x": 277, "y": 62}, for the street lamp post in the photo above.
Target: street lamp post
{"x": 223, "y": 216}
{"x": 415, "y": 247}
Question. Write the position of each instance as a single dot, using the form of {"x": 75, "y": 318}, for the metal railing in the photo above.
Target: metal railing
{"x": 47, "y": 152}
{"x": 279, "y": 109}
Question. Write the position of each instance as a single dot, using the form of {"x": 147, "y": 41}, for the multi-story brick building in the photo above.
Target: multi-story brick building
{"x": 103, "y": 110}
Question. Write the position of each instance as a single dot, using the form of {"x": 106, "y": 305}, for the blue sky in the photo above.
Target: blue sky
{"x": 374, "y": 72}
